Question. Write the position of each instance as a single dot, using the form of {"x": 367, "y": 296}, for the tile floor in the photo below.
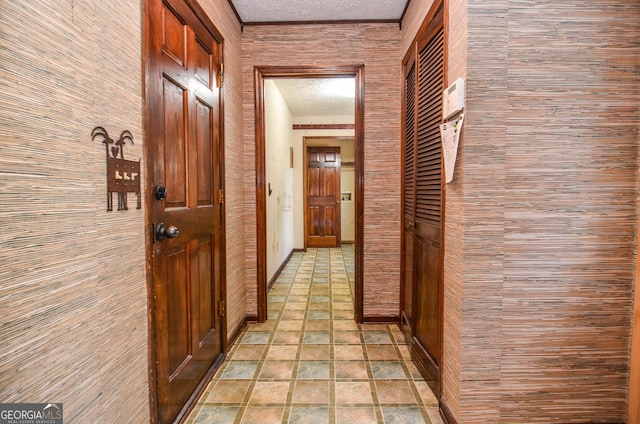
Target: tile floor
{"x": 311, "y": 363}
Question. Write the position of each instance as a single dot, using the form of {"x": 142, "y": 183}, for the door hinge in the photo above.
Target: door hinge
{"x": 221, "y": 196}
{"x": 220, "y": 75}
{"x": 221, "y": 308}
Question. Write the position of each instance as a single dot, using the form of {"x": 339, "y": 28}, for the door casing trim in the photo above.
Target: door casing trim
{"x": 260, "y": 73}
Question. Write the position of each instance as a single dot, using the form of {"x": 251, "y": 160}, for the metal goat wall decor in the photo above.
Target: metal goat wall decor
{"x": 123, "y": 176}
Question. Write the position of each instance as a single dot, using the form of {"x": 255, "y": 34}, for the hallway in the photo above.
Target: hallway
{"x": 311, "y": 363}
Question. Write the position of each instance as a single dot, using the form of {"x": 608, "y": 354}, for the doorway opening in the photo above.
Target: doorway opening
{"x": 278, "y": 194}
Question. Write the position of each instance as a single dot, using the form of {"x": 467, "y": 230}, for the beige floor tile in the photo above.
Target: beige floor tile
{"x": 358, "y": 392}
{"x": 261, "y": 326}
{"x": 276, "y": 370}
{"x": 296, "y": 307}
{"x": 322, "y": 372}
{"x": 248, "y": 352}
{"x": 348, "y": 415}
{"x": 263, "y": 415}
{"x": 345, "y": 325}
{"x": 293, "y": 314}
{"x": 311, "y": 392}
{"x": 351, "y": 370}
{"x": 348, "y": 352}
{"x": 290, "y": 325}
{"x": 346, "y": 337}
{"x": 347, "y": 314}
{"x": 405, "y": 352}
{"x": 229, "y": 391}
{"x": 319, "y": 306}
{"x": 343, "y": 307}
{"x": 317, "y": 325}
{"x": 382, "y": 353}
{"x": 287, "y": 337}
{"x": 282, "y": 352}
{"x": 426, "y": 394}
{"x": 266, "y": 392}
{"x": 394, "y": 391}
{"x": 315, "y": 353}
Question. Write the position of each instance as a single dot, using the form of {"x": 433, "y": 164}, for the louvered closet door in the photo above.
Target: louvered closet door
{"x": 409, "y": 194}
{"x": 424, "y": 83}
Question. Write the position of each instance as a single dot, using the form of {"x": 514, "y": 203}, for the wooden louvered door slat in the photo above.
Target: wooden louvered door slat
{"x": 409, "y": 194}
{"x": 423, "y": 195}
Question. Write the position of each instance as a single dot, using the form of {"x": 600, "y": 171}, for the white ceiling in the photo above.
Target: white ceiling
{"x": 318, "y": 10}
{"x": 318, "y": 96}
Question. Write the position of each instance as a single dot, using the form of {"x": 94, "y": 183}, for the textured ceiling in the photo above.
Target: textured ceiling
{"x": 318, "y": 10}
{"x": 318, "y": 96}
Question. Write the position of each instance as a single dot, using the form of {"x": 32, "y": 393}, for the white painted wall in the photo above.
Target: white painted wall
{"x": 279, "y": 176}
{"x": 347, "y": 211}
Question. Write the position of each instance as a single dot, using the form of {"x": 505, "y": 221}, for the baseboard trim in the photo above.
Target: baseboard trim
{"x": 279, "y": 270}
{"x": 446, "y": 414}
{"x": 239, "y": 329}
{"x": 381, "y": 319}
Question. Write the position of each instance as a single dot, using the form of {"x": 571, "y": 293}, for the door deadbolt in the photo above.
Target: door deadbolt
{"x": 161, "y": 192}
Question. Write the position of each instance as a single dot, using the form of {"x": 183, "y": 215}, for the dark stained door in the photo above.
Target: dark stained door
{"x": 323, "y": 197}
{"x": 409, "y": 196}
{"x": 423, "y": 199}
{"x": 183, "y": 127}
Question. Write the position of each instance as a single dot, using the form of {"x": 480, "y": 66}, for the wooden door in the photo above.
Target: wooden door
{"x": 409, "y": 197}
{"x": 423, "y": 199}
{"x": 322, "y": 197}
{"x": 185, "y": 182}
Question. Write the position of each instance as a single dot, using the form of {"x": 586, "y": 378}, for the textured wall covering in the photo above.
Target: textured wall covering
{"x": 457, "y": 40}
{"x": 225, "y": 21}
{"x": 541, "y": 215}
{"x": 73, "y": 297}
{"x": 73, "y": 319}
{"x": 377, "y": 46}
{"x": 483, "y": 196}
{"x": 454, "y": 206}
{"x": 571, "y": 177}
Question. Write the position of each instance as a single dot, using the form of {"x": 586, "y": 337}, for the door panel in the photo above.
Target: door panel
{"x": 323, "y": 197}
{"x": 177, "y": 308}
{"x": 205, "y": 295}
{"x": 423, "y": 199}
{"x": 204, "y": 154}
{"x": 427, "y": 294}
{"x": 183, "y": 127}
{"x": 174, "y": 152}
